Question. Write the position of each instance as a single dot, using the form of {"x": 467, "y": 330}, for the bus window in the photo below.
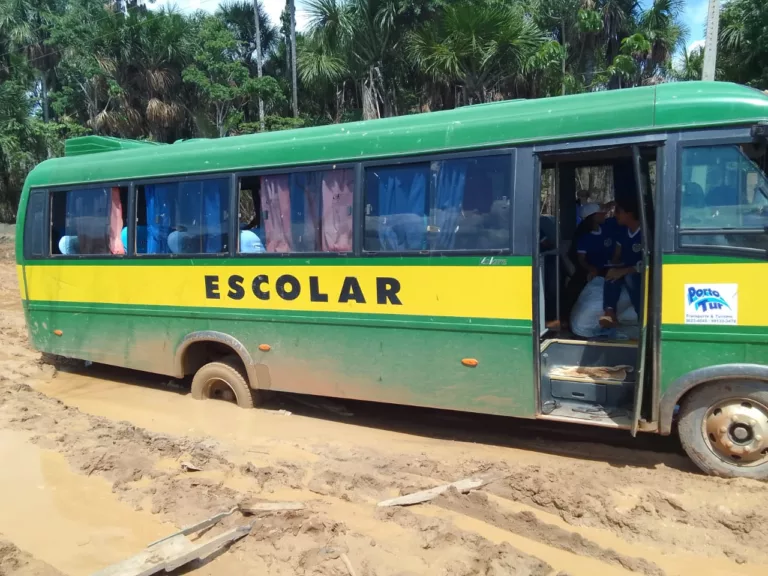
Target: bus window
{"x": 724, "y": 192}
{"x": 187, "y": 217}
{"x": 396, "y": 208}
{"x": 457, "y": 204}
{"x": 34, "y": 227}
{"x": 297, "y": 212}
{"x": 89, "y": 222}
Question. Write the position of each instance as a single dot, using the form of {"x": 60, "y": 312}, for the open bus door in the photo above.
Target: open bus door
{"x": 642, "y": 344}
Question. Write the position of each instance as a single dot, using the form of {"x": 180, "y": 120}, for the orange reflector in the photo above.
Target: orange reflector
{"x": 265, "y": 347}
{"x": 471, "y": 362}
{"x": 58, "y": 332}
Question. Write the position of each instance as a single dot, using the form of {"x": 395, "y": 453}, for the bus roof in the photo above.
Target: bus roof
{"x": 655, "y": 108}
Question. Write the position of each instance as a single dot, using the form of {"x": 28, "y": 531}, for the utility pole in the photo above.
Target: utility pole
{"x": 710, "y": 43}
{"x": 258, "y": 60}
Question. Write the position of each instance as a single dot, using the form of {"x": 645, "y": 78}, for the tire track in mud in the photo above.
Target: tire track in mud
{"x": 128, "y": 456}
{"x": 15, "y": 561}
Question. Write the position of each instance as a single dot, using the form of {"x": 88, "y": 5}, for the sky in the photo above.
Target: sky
{"x": 274, "y": 8}
{"x": 694, "y": 15}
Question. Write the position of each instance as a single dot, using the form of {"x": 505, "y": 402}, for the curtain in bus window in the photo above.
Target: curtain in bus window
{"x": 160, "y": 205}
{"x": 338, "y": 187}
{"x": 87, "y": 220}
{"x": 402, "y": 202}
{"x": 276, "y": 212}
{"x": 116, "y": 245}
{"x": 214, "y": 198}
{"x": 449, "y": 198}
{"x": 305, "y": 211}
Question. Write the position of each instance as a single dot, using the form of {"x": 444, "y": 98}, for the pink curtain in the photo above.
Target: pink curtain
{"x": 276, "y": 212}
{"x": 116, "y": 223}
{"x": 337, "y": 210}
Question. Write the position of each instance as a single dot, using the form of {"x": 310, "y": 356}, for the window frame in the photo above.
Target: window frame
{"x": 86, "y": 186}
{"x": 135, "y": 184}
{"x": 304, "y": 168}
{"x": 509, "y": 151}
{"x": 708, "y": 139}
{"x": 44, "y": 193}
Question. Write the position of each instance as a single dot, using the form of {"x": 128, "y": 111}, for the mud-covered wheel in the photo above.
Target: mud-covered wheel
{"x": 223, "y": 380}
{"x": 723, "y": 428}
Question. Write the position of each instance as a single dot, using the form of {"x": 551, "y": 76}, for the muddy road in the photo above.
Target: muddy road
{"x": 91, "y": 472}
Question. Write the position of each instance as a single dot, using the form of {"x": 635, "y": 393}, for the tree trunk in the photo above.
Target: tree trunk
{"x": 258, "y": 60}
{"x": 294, "y": 81}
{"x": 44, "y": 96}
{"x": 370, "y": 105}
{"x": 565, "y": 57}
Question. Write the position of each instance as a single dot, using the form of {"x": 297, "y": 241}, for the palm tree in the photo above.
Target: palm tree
{"x": 479, "y": 46}
{"x": 660, "y": 24}
{"x": 256, "y": 34}
{"x": 26, "y": 24}
{"x": 691, "y": 65}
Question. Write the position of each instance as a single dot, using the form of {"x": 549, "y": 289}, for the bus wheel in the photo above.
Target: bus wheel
{"x": 222, "y": 380}
{"x": 723, "y": 427}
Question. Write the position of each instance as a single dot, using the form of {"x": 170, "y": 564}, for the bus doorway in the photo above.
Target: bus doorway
{"x": 594, "y": 266}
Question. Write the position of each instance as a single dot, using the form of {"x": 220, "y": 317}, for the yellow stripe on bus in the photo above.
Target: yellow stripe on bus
{"x": 749, "y": 280}
{"x": 502, "y": 292}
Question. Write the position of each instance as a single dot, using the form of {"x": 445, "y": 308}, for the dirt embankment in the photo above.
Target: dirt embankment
{"x": 97, "y": 475}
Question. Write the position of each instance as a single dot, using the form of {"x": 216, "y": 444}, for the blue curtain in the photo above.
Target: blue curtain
{"x": 402, "y": 208}
{"x": 305, "y": 210}
{"x": 215, "y": 201}
{"x": 160, "y": 202}
{"x": 196, "y": 208}
{"x": 449, "y": 198}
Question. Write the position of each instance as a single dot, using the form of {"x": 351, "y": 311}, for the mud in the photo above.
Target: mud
{"x": 97, "y": 475}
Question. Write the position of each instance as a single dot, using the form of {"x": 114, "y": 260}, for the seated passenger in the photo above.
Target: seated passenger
{"x": 594, "y": 247}
{"x": 252, "y": 237}
{"x": 591, "y": 251}
{"x": 627, "y": 259}
{"x": 69, "y": 245}
{"x": 250, "y": 243}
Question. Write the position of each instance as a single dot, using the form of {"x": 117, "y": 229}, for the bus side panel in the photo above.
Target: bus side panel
{"x": 690, "y": 338}
{"x": 402, "y": 346}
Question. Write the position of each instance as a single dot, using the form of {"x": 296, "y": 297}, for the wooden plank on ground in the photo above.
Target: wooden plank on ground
{"x": 256, "y": 507}
{"x": 149, "y": 561}
{"x": 463, "y": 486}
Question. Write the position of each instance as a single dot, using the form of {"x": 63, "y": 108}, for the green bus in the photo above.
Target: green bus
{"x": 420, "y": 260}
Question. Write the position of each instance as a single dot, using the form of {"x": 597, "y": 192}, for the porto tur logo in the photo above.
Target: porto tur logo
{"x": 711, "y": 303}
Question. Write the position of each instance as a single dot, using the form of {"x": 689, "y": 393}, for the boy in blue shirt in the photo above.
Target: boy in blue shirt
{"x": 627, "y": 259}
{"x": 595, "y": 247}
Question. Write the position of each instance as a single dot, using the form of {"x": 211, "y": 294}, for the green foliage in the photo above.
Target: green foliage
{"x": 73, "y": 67}
{"x": 743, "y": 46}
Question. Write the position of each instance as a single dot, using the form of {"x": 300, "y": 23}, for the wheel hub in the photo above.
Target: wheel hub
{"x": 737, "y": 431}
{"x": 220, "y": 390}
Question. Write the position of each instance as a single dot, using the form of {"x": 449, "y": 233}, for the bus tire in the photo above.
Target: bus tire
{"x": 723, "y": 427}
{"x": 218, "y": 380}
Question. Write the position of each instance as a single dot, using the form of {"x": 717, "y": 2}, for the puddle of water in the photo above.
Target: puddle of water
{"x": 248, "y": 430}
{"x": 71, "y": 521}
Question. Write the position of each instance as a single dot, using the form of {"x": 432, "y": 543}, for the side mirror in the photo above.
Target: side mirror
{"x": 759, "y": 132}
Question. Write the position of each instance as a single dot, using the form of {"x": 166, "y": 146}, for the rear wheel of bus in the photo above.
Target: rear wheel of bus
{"x": 223, "y": 380}
{"x": 723, "y": 428}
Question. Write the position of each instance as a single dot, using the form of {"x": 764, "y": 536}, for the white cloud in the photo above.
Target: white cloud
{"x": 274, "y": 9}
{"x": 695, "y": 45}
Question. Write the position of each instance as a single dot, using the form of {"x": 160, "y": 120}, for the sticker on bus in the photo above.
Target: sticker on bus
{"x": 711, "y": 303}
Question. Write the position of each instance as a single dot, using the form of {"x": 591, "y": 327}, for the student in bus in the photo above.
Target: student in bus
{"x": 625, "y": 272}
{"x": 591, "y": 251}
